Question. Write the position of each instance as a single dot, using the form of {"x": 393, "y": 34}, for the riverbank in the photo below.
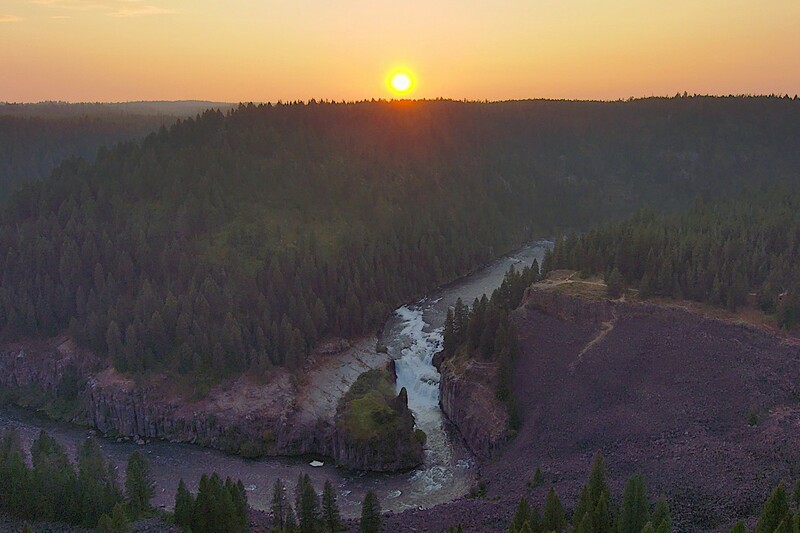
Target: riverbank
{"x": 411, "y": 337}
{"x": 284, "y": 415}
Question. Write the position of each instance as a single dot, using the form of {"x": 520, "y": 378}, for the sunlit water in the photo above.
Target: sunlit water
{"x": 413, "y": 335}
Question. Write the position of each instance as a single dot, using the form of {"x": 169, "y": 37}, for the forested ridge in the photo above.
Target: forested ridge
{"x": 723, "y": 252}
{"x": 237, "y": 241}
{"x": 32, "y": 146}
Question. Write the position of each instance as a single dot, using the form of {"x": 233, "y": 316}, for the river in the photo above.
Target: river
{"x": 413, "y": 335}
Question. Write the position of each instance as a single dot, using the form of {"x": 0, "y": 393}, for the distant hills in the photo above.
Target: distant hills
{"x": 34, "y": 138}
{"x": 178, "y": 108}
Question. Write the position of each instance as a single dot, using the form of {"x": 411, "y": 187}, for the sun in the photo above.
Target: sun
{"x": 401, "y": 82}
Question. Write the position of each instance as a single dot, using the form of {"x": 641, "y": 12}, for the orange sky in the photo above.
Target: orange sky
{"x": 266, "y": 50}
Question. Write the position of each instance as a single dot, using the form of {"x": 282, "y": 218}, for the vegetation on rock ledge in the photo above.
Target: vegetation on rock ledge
{"x": 371, "y": 416}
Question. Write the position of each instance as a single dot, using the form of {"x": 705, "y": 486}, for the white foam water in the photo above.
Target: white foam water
{"x": 412, "y": 335}
{"x": 415, "y": 370}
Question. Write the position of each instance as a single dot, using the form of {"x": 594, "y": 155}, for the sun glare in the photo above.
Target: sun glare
{"x": 401, "y": 82}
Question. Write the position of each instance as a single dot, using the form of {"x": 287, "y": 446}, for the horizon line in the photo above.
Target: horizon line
{"x": 434, "y": 99}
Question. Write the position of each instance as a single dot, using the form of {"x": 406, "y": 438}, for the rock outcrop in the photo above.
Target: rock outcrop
{"x": 44, "y": 365}
{"x": 567, "y": 307}
{"x": 467, "y": 396}
{"x": 374, "y": 425}
{"x": 241, "y": 416}
{"x": 247, "y": 416}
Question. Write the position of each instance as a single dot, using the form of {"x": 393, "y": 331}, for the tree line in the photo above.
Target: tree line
{"x": 32, "y": 146}
{"x": 595, "y": 511}
{"x": 221, "y": 508}
{"x": 53, "y": 490}
{"x": 485, "y": 330}
{"x": 730, "y": 253}
{"x": 235, "y": 242}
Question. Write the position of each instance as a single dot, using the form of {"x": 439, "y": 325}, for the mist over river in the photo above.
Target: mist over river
{"x": 413, "y": 335}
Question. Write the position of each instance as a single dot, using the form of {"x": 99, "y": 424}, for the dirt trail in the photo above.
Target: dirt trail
{"x": 665, "y": 393}
{"x": 606, "y": 328}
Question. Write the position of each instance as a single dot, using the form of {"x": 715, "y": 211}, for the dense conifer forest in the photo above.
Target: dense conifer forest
{"x": 32, "y": 146}
{"x": 726, "y": 252}
{"x": 91, "y": 496}
{"x": 53, "y": 490}
{"x": 237, "y": 241}
{"x": 486, "y": 331}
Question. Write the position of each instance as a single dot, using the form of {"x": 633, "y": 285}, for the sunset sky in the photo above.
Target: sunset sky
{"x": 266, "y": 50}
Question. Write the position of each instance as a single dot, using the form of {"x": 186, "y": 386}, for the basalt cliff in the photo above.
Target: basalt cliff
{"x": 284, "y": 415}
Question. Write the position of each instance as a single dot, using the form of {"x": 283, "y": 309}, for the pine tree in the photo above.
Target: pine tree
{"x": 219, "y": 507}
{"x": 661, "y": 516}
{"x": 635, "y": 509}
{"x": 370, "y": 514}
{"x": 597, "y": 478}
{"x": 585, "y": 525}
{"x": 119, "y": 520}
{"x": 97, "y": 488}
{"x": 298, "y": 491}
{"x": 522, "y": 515}
{"x": 184, "y": 504}
{"x": 449, "y": 342}
{"x": 309, "y": 506}
{"x": 239, "y": 495}
{"x": 280, "y": 505}
{"x": 15, "y": 477}
{"x": 536, "y": 519}
{"x": 554, "y": 518}
{"x": 53, "y": 480}
{"x": 776, "y": 510}
{"x": 601, "y": 515}
{"x": 596, "y": 488}
{"x": 330, "y": 509}
{"x": 138, "y": 484}
{"x": 615, "y": 283}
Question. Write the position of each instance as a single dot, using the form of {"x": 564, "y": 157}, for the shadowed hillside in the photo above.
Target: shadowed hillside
{"x": 237, "y": 241}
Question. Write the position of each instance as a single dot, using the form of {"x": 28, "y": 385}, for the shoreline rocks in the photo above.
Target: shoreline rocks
{"x": 282, "y": 416}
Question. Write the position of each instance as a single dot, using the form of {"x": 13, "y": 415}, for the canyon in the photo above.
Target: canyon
{"x": 283, "y": 416}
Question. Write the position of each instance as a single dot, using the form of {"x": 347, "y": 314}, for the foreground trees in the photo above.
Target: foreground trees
{"x": 138, "y": 485}
{"x": 220, "y": 507}
{"x": 594, "y": 512}
{"x": 54, "y": 491}
{"x": 90, "y": 497}
{"x": 370, "y": 514}
{"x": 331, "y": 517}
